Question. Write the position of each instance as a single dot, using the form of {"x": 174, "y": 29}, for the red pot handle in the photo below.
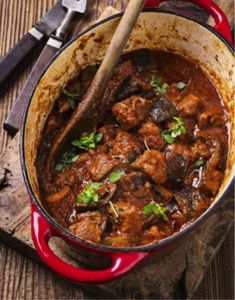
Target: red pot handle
{"x": 221, "y": 21}
{"x": 42, "y": 231}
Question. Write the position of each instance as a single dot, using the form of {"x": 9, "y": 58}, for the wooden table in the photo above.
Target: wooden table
{"x": 19, "y": 276}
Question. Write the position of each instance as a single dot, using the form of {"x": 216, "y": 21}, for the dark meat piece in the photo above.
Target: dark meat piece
{"x": 135, "y": 189}
{"x": 128, "y": 228}
{"x": 213, "y": 115}
{"x": 122, "y": 74}
{"x": 132, "y": 111}
{"x": 163, "y": 109}
{"x": 143, "y": 60}
{"x": 216, "y": 139}
{"x": 190, "y": 106}
{"x": 151, "y": 135}
{"x": 89, "y": 226}
{"x": 191, "y": 203}
{"x": 152, "y": 162}
{"x": 125, "y": 147}
{"x": 178, "y": 158}
{"x": 100, "y": 165}
{"x": 131, "y": 181}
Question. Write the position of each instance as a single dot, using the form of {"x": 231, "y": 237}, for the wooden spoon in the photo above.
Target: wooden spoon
{"x": 85, "y": 115}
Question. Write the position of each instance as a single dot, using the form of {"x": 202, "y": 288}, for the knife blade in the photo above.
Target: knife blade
{"x": 42, "y": 28}
{"x": 14, "y": 119}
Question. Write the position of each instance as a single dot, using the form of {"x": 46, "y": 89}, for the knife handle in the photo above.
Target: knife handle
{"x": 16, "y": 55}
{"x": 14, "y": 119}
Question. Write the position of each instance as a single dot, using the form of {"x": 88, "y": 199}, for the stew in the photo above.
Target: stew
{"x": 154, "y": 163}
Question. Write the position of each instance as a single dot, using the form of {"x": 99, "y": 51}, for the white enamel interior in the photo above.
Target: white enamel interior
{"x": 154, "y": 30}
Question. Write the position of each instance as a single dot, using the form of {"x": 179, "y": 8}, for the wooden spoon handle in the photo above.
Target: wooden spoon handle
{"x": 84, "y": 116}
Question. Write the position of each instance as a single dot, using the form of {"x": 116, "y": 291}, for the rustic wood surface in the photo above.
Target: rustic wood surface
{"x": 20, "y": 277}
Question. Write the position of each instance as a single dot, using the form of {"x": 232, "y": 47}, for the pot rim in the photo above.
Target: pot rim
{"x": 43, "y": 211}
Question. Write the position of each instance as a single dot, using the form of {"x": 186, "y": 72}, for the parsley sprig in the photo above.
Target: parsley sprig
{"x": 178, "y": 129}
{"x": 115, "y": 176}
{"x": 72, "y": 97}
{"x": 180, "y": 85}
{"x": 67, "y": 158}
{"x": 157, "y": 209}
{"x": 89, "y": 195}
{"x": 158, "y": 87}
{"x": 87, "y": 142}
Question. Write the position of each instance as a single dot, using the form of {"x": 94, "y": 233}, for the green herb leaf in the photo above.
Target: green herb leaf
{"x": 59, "y": 167}
{"x": 200, "y": 162}
{"x": 181, "y": 85}
{"x": 178, "y": 129}
{"x": 156, "y": 84}
{"x": 89, "y": 195}
{"x": 115, "y": 176}
{"x": 155, "y": 81}
{"x": 72, "y": 97}
{"x": 66, "y": 159}
{"x": 157, "y": 209}
{"x": 167, "y": 136}
{"x": 88, "y": 141}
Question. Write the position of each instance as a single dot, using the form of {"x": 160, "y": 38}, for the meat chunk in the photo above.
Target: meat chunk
{"x": 191, "y": 105}
{"x": 109, "y": 133}
{"x": 211, "y": 180}
{"x": 129, "y": 225}
{"x": 151, "y": 135}
{"x": 216, "y": 139}
{"x": 122, "y": 73}
{"x": 131, "y": 181}
{"x": 213, "y": 115}
{"x": 56, "y": 197}
{"x": 156, "y": 233}
{"x": 152, "y": 162}
{"x": 135, "y": 189}
{"x": 125, "y": 146}
{"x": 132, "y": 111}
{"x": 191, "y": 203}
{"x": 178, "y": 159}
{"x": 163, "y": 109}
{"x": 100, "y": 165}
{"x": 88, "y": 226}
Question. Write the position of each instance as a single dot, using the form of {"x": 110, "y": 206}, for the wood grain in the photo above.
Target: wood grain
{"x": 20, "y": 278}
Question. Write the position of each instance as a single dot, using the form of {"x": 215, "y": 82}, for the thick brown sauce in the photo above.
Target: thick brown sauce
{"x": 183, "y": 177}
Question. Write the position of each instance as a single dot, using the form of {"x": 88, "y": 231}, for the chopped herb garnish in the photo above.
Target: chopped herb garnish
{"x": 156, "y": 84}
{"x": 200, "y": 162}
{"x": 157, "y": 209}
{"x": 89, "y": 195}
{"x": 115, "y": 176}
{"x": 67, "y": 158}
{"x": 88, "y": 141}
{"x": 178, "y": 129}
{"x": 72, "y": 97}
{"x": 181, "y": 85}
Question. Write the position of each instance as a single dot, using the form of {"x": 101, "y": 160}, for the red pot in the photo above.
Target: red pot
{"x": 156, "y": 28}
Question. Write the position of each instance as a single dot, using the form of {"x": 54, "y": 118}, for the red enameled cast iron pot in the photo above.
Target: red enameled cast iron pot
{"x": 157, "y": 29}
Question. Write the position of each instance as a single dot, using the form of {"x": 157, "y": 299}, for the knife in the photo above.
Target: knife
{"x": 14, "y": 119}
{"x": 44, "y": 27}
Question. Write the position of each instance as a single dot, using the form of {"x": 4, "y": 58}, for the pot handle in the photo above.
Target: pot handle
{"x": 42, "y": 231}
{"x": 221, "y": 21}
